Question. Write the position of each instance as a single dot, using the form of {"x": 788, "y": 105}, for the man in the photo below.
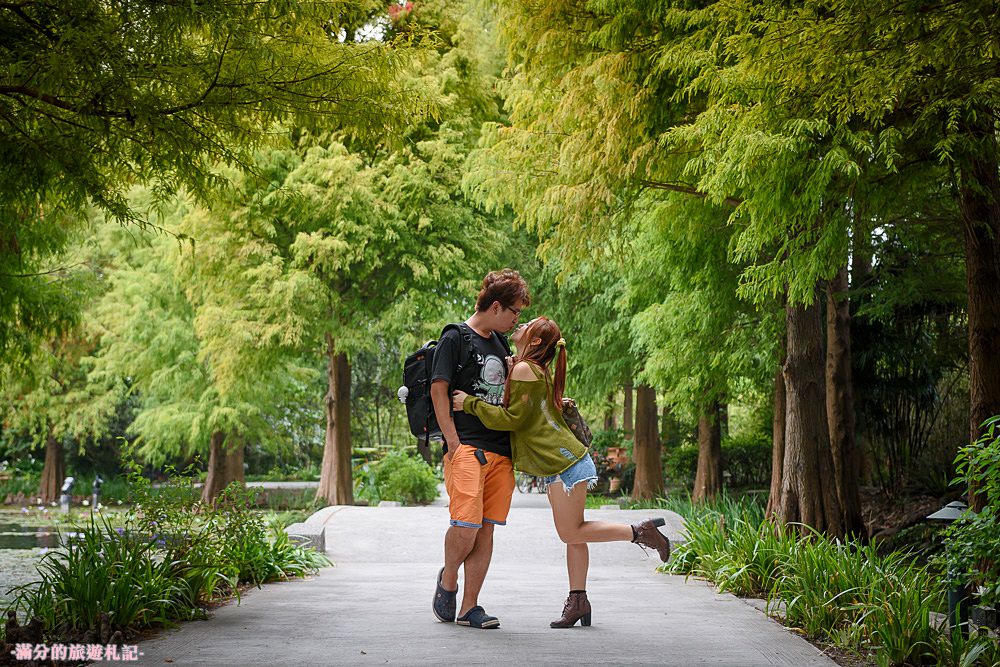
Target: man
{"x": 478, "y": 473}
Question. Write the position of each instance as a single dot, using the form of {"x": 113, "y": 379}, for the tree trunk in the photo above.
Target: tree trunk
{"x": 628, "y": 412}
{"x": 336, "y": 484}
{"x": 980, "y": 206}
{"x": 609, "y": 415}
{"x": 840, "y": 403}
{"x": 646, "y": 450}
{"x": 225, "y": 465}
{"x": 708, "y": 478}
{"x": 808, "y": 488}
{"x": 723, "y": 420}
{"x": 54, "y": 472}
{"x": 777, "y": 442}
{"x": 861, "y": 270}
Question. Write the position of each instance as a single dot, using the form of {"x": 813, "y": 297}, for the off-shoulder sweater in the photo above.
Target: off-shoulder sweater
{"x": 541, "y": 442}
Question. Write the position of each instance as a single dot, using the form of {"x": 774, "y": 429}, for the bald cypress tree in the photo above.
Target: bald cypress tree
{"x": 96, "y": 97}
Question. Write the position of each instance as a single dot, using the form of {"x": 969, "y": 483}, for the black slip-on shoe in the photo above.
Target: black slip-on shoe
{"x": 444, "y": 602}
{"x": 478, "y": 618}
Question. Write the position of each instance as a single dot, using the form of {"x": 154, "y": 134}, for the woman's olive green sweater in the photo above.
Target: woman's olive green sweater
{"x": 541, "y": 442}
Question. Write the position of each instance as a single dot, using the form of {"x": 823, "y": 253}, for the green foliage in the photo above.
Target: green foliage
{"x": 850, "y": 594}
{"x": 746, "y": 457}
{"x": 54, "y": 398}
{"x": 972, "y": 543}
{"x": 721, "y": 155}
{"x": 22, "y": 472}
{"x": 910, "y": 353}
{"x": 398, "y": 476}
{"x": 159, "y": 562}
{"x": 588, "y": 302}
{"x": 602, "y": 441}
{"x": 150, "y": 321}
{"x": 102, "y": 569}
{"x": 220, "y": 544}
{"x": 681, "y": 463}
{"x": 97, "y": 97}
{"x": 377, "y": 417}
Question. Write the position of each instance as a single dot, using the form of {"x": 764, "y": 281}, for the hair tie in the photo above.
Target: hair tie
{"x": 561, "y": 342}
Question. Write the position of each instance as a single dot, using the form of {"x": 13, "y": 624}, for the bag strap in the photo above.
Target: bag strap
{"x": 465, "y": 334}
{"x": 504, "y": 343}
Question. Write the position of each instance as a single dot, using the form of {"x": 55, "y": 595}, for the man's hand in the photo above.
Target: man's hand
{"x": 442, "y": 410}
{"x": 458, "y": 400}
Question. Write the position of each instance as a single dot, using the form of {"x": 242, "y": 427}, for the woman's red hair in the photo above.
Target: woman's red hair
{"x": 542, "y": 355}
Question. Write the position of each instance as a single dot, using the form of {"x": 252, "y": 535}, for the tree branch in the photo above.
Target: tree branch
{"x": 688, "y": 190}
{"x": 17, "y": 9}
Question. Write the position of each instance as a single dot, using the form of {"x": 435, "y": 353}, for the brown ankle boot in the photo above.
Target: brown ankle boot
{"x": 577, "y": 608}
{"x": 646, "y": 535}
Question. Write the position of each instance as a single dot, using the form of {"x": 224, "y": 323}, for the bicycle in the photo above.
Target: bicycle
{"x": 525, "y": 483}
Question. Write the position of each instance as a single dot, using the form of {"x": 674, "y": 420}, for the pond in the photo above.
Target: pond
{"x": 24, "y": 538}
{"x": 19, "y": 536}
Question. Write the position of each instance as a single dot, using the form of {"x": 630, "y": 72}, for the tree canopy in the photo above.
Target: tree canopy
{"x": 96, "y": 98}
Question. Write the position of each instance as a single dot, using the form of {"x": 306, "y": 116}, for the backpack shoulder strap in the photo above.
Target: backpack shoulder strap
{"x": 464, "y": 343}
{"x": 504, "y": 343}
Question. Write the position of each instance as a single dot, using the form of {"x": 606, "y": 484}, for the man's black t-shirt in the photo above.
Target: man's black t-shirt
{"x": 483, "y": 375}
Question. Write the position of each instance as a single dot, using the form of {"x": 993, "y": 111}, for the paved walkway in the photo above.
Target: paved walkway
{"x": 373, "y": 606}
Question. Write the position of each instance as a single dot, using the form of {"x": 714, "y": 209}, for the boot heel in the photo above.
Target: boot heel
{"x": 659, "y": 522}
{"x": 585, "y": 621}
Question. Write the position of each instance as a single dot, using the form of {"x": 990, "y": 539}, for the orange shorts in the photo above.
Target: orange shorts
{"x": 477, "y": 493}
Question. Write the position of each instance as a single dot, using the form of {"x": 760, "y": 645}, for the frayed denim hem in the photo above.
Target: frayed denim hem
{"x": 583, "y": 470}
{"x": 591, "y": 483}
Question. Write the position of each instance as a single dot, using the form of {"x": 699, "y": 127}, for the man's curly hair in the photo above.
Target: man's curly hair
{"x": 506, "y": 286}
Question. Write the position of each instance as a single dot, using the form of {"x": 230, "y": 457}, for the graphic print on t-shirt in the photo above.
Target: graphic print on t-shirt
{"x": 489, "y": 385}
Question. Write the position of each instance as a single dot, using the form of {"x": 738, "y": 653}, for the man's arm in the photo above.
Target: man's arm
{"x": 442, "y": 412}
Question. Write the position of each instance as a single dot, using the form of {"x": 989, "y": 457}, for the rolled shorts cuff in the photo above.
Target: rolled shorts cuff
{"x": 466, "y": 524}
{"x": 495, "y": 523}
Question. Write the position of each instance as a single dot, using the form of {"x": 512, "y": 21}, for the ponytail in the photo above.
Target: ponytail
{"x": 559, "y": 380}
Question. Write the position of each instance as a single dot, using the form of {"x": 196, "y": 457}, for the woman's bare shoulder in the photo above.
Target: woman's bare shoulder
{"x": 522, "y": 371}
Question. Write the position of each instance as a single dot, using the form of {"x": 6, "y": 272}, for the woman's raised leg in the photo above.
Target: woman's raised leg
{"x": 567, "y": 513}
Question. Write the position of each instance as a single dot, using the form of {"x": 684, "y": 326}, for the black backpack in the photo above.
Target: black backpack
{"x": 416, "y": 390}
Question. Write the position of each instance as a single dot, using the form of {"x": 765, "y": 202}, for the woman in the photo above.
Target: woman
{"x": 544, "y": 446}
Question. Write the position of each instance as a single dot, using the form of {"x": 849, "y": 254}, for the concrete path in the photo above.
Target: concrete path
{"x": 373, "y": 606}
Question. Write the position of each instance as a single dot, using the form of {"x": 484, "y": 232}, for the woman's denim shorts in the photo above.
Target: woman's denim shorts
{"x": 583, "y": 470}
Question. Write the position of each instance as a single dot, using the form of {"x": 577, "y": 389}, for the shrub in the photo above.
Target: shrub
{"x": 599, "y": 446}
{"x": 747, "y": 459}
{"x": 24, "y": 473}
{"x": 972, "y": 544}
{"x": 397, "y": 476}
{"x": 681, "y": 463}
